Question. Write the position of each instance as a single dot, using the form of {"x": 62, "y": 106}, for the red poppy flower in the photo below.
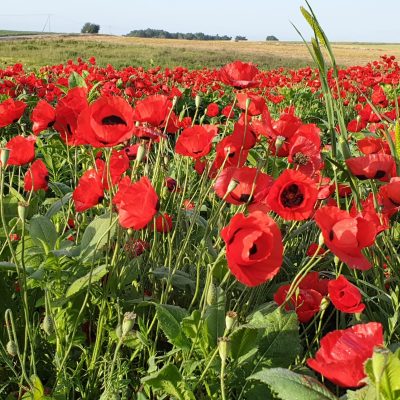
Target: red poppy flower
{"x": 345, "y": 296}
{"x": 11, "y": 111}
{"x": 313, "y": 248}
{"x": 371, "y": 145}
{"x": 22, "y": 150}
{"x": 164, "y": 223}
{"x": 244, "y": 134}
{"x": 67, "y": 111}
{"x": 37, "y": 177}
{"x": 136, "y": 247}
{"x": 212, "y": 110}
{"x": 390, "y": 196}
{"x": 342, "y": 353}
{"x": 43, "y": 117}
{"x": 356, "y": 125}
{"x": 293, "y": 195}
{"x": 305, "y": 149}
{"x": 239, "y": 74}
{"x": 152, "y": 112}
{"x": 89, "y": 191}
{"x": 346, "y": 236}
{"x": 172, "y": 185}
{"x": 256, "y": 103}
{"x": 372, "y": 166}
{"x": 229, "y": 153}
{"x": 250, "y": 185}
{"x": 196, "y": 141}
{"x": 307, "y": 299}
{"x": 254, "y": 248}
{"x": 119, "y": 163}
{"x": 137, "y": 203}
{"x": 107, "y": 122}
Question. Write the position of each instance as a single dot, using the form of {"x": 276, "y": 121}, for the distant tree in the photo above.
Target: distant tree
{"x": 90, "y": 28}
{"x": 238, "y": 38}
{"x": 272, "y": 38}
{"x": 159, "y": 33}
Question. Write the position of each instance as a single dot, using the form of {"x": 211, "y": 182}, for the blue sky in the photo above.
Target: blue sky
{"x": 342, "y": 20}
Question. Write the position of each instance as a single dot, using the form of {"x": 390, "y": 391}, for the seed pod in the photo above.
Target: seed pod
{"x": 4, "y": 156}
{"x": 48, "y": 325}
{"x": 128, "y": 322}
{"x": 211, "y": 295}
{"x": 230, "y": 320}
{"x": 223, "y": 347}
{"x": 11, "y": 348}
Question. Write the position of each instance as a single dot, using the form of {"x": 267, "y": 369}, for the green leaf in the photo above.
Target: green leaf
{"x": 291, "y": 386}
{"x": 383, "y": 369}
{"x": 191, "y": 324}
{"x": 179, "y": 279}
{"x": 43, "y": 232}
{"x": 214, "y": 318}
{"x": 38, "y": 389}
{"x": 243, "y": 344}
{"x": 57, "y": 206}
{"x": 96, "y": 235}
{"x": 278, "y": 337}
{"x": 7, "y": 266}
{"x": 169, "y": 318}
{"x": 83, "y": 281}
{"x": 75, "y": 80}
{"x": 366, "y": 393}
{"x": 169, "y": 381}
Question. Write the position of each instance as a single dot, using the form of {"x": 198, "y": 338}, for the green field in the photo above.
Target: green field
{"x": 51, "y": 49}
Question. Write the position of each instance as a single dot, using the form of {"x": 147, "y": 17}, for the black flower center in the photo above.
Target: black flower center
{"x": 292, "y": 196}
{"x": 301, "y": 159}
{"x": 253, "y": 250}
{"x": 113, "y": 120}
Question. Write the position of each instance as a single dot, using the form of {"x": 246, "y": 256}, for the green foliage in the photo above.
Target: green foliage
{"x": 89, "y": 27}
{"x": 291, "y": 386}
{"x": 161, "y": 34}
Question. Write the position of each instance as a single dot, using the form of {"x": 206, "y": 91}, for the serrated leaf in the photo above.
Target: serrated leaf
{"x": 169, "y": 381}
{"x": 243, "y": 344}
{"x": 57, "y": 206}
{"x": 366, "y": 393}
{"x": 83, "y": 281}
{"x": 75, "y": 80}
{"x": 169, "y": 318}
{"x": 43, "y": 232}
{"x": 278, "y": 337}
{"x": 96, "y": 235}
{"x": 291, "y": 386}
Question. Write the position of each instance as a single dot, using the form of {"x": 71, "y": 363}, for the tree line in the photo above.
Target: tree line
{"x": 161, "y": 34}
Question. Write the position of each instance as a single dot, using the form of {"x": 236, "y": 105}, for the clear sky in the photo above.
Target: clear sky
{"x": 342, "y": 20}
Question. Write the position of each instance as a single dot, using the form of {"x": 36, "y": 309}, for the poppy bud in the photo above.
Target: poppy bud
{"x": 324, "y": 304}
{"x": 320, "y": 240}
{"x": 22, "y": 208}
{"x": 211, "y": 295}
{"x": 4, "y": 155}
{"x": 11, "y": 348}
{"x": 130, "y": 232}
{"x": 118, "y": 331}
{"x": 223, "y": 347}
{"x": 230, "y": 320}
{"x": 197, "y": 101}
{"x": 232, "y": 185}
{"x": 128, "y": 322}
{"x": 48, "y": 325}
{"x": 279, "y": 143}
{"x": 248, "y": 101}
{"x": 174, "y": 101}
{"x": 141, "y": 153}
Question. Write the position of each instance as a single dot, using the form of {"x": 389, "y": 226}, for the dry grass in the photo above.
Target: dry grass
{"x": 122, "y": 51}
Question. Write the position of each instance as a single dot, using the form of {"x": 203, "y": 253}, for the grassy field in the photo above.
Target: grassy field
{"x": 123, "y": 51}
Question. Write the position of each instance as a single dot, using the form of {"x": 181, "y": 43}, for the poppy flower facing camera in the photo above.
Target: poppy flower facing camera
{"x": 343, "y": 353}
{"x": 254, "y": 248}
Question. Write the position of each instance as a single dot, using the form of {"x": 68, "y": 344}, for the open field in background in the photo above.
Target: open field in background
{"x": 123, "y": 51}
